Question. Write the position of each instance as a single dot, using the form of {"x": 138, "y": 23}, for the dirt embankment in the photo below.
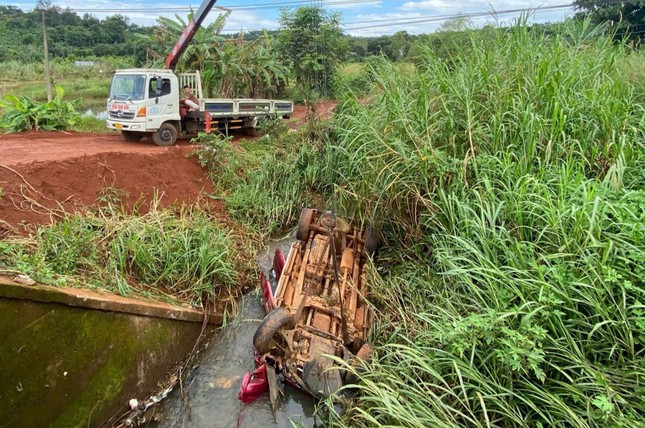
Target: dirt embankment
{"x": 42, "y": 171}
{"x": 45, "y": 171}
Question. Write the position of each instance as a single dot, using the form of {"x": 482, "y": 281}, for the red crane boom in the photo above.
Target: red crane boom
{"x": 188, "y": 33}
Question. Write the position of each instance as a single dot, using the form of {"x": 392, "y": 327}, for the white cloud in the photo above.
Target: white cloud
{"x": 419, "y": 23}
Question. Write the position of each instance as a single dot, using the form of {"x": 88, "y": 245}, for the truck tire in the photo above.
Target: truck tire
{"x": 274, "y": 321}
{"x": 132, "y": 135}
{"x": 372, "y": 241}
{"x": 166, "y": 135}
{"x": 304, "y": 223}
{"x": 364, "y": 354}
{"x": 254, "y": 132}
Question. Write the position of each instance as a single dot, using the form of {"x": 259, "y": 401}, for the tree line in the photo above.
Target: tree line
{"x": 87, "y": 36}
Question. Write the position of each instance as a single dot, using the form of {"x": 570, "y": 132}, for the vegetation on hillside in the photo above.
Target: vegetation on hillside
{"x": 510, "y": 189}
{"x": 68, "y": 34}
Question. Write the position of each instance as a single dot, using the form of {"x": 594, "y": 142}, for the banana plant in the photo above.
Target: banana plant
{"x": 230, "y": 67}
{"x": 24, "y": 114}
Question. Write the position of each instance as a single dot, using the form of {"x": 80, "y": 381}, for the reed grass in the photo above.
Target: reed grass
{"x": 509, "y": 187}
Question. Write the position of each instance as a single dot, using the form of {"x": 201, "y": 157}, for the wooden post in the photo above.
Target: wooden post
{"x": 47, "y": 74}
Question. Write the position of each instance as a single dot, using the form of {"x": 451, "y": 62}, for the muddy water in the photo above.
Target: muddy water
{"x": 211, "y": 390}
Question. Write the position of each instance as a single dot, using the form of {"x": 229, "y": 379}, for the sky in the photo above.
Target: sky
{"x": 359, "y": 17}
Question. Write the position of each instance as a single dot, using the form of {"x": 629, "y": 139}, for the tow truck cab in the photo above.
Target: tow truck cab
{"x": 142, "y": 101}
{"x": 146, "y": 102}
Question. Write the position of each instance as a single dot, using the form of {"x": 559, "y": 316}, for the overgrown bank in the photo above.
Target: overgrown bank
{"x": 179, "y": 254}
{"x": 509, "y": 186}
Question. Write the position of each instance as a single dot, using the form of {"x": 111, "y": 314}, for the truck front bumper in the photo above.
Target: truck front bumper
{"x": 126, "y": 125}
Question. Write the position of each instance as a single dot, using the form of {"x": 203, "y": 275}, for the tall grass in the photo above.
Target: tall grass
{"x": 264, "y": 183}
{"x": 509, "y": 186}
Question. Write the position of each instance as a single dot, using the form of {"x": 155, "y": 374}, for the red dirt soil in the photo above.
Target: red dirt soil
{"x": 41, "y": 171}
{"x": 73, "y": 169}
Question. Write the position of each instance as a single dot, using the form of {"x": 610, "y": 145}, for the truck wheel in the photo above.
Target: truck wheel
{"x": 364, "y": 354}
{"x": 372, "y": 241}
{"x": 304, "y": 223}
{"x": 131, "y": 135}
{"x": 274, "y": 321}
{"x": 254, "y": 132}
{"x": 166, "y": 135}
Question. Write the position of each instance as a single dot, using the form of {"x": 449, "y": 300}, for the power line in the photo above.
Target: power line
{"x": 250, "y": 6}
{"x": 394, "y": 22}
{"x": 438, "y": 18}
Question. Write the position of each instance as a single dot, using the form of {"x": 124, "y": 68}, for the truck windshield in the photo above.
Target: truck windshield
{"x": 129, "y": 87}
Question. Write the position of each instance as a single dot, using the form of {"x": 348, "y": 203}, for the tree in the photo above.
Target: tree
{"x": 627, "y": 17}
{"x": 312, "y": 43}
{"x": 400, "y": 45}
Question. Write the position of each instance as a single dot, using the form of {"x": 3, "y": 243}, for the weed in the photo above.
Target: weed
{"x": 264, "y": 188}
{"x": 91, "y": 124}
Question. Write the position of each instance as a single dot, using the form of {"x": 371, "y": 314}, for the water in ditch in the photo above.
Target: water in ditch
{"x": 210, "y": 390}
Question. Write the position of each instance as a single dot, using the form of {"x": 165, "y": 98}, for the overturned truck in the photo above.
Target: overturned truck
{"x": 319, "y": 308}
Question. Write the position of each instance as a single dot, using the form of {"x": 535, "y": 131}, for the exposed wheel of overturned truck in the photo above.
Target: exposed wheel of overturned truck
{"x": 372, "y": 240}
{"x": 304, "y": 224}
{"x": 166, "y": 135}
{"x": 263, "y": 339}
{"x": 132, "y": 135}
{"x": 364, "y": 354}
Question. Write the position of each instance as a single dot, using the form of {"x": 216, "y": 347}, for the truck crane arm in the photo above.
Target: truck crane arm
{"x": 188, "y": 33}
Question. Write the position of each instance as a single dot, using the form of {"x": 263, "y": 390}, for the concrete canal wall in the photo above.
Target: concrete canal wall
{"x": 72, "y": 357}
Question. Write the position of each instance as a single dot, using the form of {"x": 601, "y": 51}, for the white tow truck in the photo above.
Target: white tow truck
{"x": 146, "y": 102}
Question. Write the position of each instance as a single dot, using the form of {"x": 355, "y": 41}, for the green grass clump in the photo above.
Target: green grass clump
{"x": 182, "y": 254}
{"x": 91, "y": 124}
{"x": 509, "y": 187}
{"x": 264, "y": 183}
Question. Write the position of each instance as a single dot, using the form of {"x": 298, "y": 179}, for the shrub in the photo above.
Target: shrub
{"x": 24, "y": 114}
{"x": 183, "y": 253}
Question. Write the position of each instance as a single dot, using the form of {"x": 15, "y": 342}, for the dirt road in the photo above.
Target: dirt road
{"x": 44, "y": 171}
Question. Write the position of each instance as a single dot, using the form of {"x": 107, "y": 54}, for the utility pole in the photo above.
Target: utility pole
{"x": 47, "y": 74}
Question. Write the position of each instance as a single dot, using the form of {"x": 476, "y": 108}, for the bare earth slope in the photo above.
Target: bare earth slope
{"x": 39, "y": 170}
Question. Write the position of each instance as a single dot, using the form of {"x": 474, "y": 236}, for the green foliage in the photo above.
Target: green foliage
{"x": 265, "y": 185}
{"x": 24, "y": 114}
{"x": 230, "y": 67}
{"x": 183, "y": 254}
{"x": 68, "y": 34}
{"x": 509, "y": 187}
{"x": 626, "y": 18}
{"x": 311, "y": 42}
